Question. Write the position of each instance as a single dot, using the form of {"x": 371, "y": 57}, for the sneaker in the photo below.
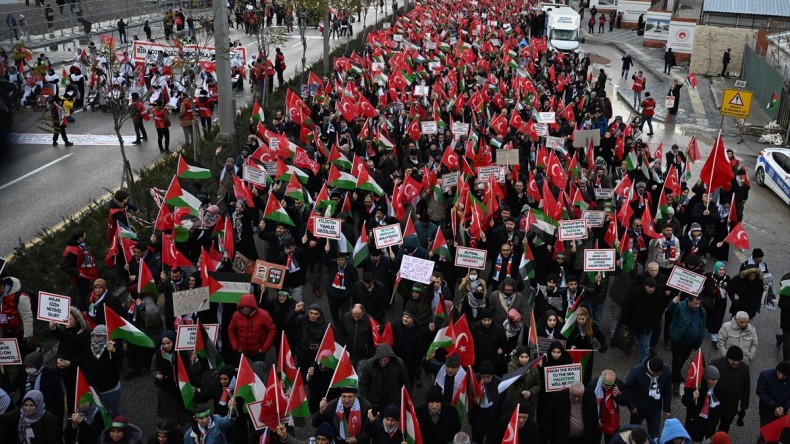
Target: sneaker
{"x": 69, "y": 143}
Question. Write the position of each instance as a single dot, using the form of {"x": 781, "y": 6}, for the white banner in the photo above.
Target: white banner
{"x": 681, "y": 36}
{"x": 149, "y": 52}
{"x": 416, "y": 269}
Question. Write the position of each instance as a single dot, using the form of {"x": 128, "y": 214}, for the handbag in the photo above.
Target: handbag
{"x": 622, "y": 337}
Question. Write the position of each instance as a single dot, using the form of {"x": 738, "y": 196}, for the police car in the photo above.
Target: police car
{"x": 773, "y": 170}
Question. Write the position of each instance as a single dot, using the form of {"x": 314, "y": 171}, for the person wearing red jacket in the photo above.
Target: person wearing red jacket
{"x": 251, "y": 330}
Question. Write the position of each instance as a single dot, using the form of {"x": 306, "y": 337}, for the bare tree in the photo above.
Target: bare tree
{"x": 302, "y": 7}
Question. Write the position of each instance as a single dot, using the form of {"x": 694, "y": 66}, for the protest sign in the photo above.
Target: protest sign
{"x": 149, "y": 52}
{"x": 422, "y": 90}
{"x": 545, "y": 343}
{"x": 573, "y": 229}
{"x": 190, "y": 301}
{"x": 507, "y": 157}
{"x": 541, "y": 129}
{"x": 387, "y": 236}
{"x": 599, "y": 260}
{"x": 603, "y": 193}
{"x": 546, "y": 118}
{"x": 483, "y": 173}
{"x": 268, "y": 274}
{"x": 416, "y": 269}
{"x": 254, "y": 174}
{"x": 9, "y": 352}
{"x": 53, "y": 308}
{"x": 327, "y": 227}
{"x": 186, "y": 336}
{"x": 581, "y": 138}
{"x": 559, "y": 377}
{"x": 450, "y": 180}
{"x": 429, "y": 127}
{"x": 460, "y": 128}
{"x": 594, "y": 218}
{"x": 470, "y": 258}
{"x": 555, "y": 143}
{"x": 685, "y": 280}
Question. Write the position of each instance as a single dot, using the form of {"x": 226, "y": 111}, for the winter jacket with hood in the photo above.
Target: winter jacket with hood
{"x": 731, "y": 334}
{"x": 133, "y": 435}
{"x": 216, "y": 431}
{"x": 637, "y": 387}
{"x": 673, "y": 429}
{"x": 253, "y": 334}
{"x": 23, "y": 308}
{"x": 382, "y": 385}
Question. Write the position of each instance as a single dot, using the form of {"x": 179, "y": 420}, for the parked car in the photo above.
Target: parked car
{"x": 773, "y": 171}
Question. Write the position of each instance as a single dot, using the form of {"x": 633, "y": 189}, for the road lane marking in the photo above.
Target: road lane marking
{"x": 35, "y": 171}
{"x": 77, "y": 139}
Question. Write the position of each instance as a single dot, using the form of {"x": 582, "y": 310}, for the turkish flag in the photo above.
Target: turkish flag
{"x": 450, "y": 159}
{"x": 611, "y": 233}
{"x": 348, "y": 109}
{"x": 364, "y": 108}
{"x": 414, "y": 130}
{"x": 410, "y": 189}
{"x": 738, "y": 237}
{"x": 463, "y": 345}
{"x": 717, "y": 172}
{"x": 567, "y": 112}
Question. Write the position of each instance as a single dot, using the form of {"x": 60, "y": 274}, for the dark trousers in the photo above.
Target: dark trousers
{"x": 60, "y": 130}
{"x": 139, "y": 130}
{"x": 163, "y": 133}
{"x": 724, "y": 424}
{"x": 786, "y": 344}
{"x": 280, "y": 77}
{"x": 724, "y": 70}
{"x": 122, "y": 36}
{"x": 679, "y": 355}
{"x": 653, "y": 422}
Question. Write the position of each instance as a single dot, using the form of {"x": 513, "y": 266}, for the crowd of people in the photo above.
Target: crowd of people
{"x": 474, "y": 343}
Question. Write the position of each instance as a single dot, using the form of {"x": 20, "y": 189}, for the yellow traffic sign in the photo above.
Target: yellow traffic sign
{"x": 736, "y": 103}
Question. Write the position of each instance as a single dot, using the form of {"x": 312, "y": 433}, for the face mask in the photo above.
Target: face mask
{"x": 473, "y": 277}
{"x": 31, "y": 371}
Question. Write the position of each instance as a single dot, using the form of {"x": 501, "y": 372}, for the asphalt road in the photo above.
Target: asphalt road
{"x": 41, "y": 183}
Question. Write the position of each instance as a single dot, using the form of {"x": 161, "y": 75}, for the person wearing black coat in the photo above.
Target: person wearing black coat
{"x": 447, "y": 424}
{"x": 702, "y": 406}
{"x": 558, "y": 426}
{"x": 642, "y": 310}
{"x": 342, "y": 277}
{"x": 489, "y": 339}
{"x": 381, "y": 267}
{"x": 308, "y": 330}
{"x": 734, "y": 387}
{"x": 784, "y": 322}
{"x": 83, "y": 426}
{"x": 610, "y": 398}
{"x": 382, "y": 377}
{"x": 385, "y": 429}
{"x": 37, "y": 376}
{"x": 283, "y": 310}
{"x": 649, "y": 393}
{"x": 68, "y": 357}
{"x": 410, "y": 342}
{"x": 746, "y": 292}
{"x": 372, "y": 294}
{"x": 528, "y": 428}
{"x": 485, "y": 410}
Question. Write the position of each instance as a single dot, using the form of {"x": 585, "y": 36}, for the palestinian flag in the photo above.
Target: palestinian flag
{"x": 631, "y": 161}
{"x": 294, "y": 189}
{"x": 627, "y": 260}
{"x": 580, "y": 356}
{"x": 341, "y": 179}
{"x": 145, "y": 280}
{"x": 184, "y": 386}
{"x": 570, "y": 319}
{"x": 344, "y": 375}
{"x": 275, "y": 211}
{"x": 329, "y": 352}
{"x": 84, "y": 393}
{"x": 444, "y": 339}
{"x": 120, "y": 328}
{"x": 227, "y": 287}
{"x": 206, "y": 349}
{"x": 774, "y": 102}
{"x": 527, "y": 266}
{"x": 439, "y": 247}
{"x": 339, "y": 159}
{"x": 784, "y": 287}
{"x": 177, "y": 197}
{"x": 186, "y": 171}
{"x": 365, "y": 182}
{"x": 284, "y": 172}
{"x": 343, "y": 245}
{"x": 408, "y": 419}
{"x": 533, "y": 332}
{"x": 361, "y": 249}
{"x": 125, "y": 233}
{"x": 297, "y": 400}
{"x": 460, "y": 400}
{"x": 248, "y": 385}
{"x": 542, "y": 221}
{"x": 257, "y": 112}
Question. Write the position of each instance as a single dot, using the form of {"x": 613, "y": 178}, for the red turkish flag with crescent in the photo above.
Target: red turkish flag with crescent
{"x": 364, "y": 108}
{"x": 463, "y": 345}
{"x": 348, "y": 109}
{"x": 450, "y": 159}
{"x": 738, "y": 237}
{"x": 511, "y": 432}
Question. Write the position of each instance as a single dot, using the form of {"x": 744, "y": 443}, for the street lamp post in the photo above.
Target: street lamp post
{"x": 225, "y": 104}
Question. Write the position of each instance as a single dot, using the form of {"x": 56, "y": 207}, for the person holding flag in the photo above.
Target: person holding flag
{"x": 164, "y": 367}
{"x": 438, "y": 420}
{"x": 703, "y": 408}
{"x": 687, "y": 331}
{"x": 210, "y": 428}
{"x": 346, "y": 416}
{"x": 384, "y": 428}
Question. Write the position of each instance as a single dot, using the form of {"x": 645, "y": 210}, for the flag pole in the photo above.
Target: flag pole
{"x": 108, "y": 333}
{"x": 713, "y": 165}
{"x": 77, "y": 385}
{"x": 277, "y": 395}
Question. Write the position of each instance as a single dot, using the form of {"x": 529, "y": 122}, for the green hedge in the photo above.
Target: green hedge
{"x": 37, "y": 265}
